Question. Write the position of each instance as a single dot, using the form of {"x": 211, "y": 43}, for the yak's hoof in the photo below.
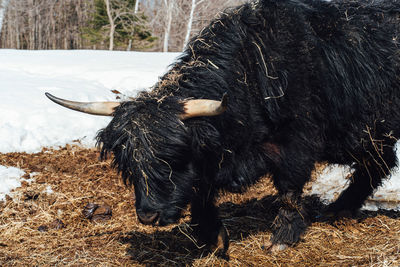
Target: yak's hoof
{"x": 275, "y": 248}
{"x": 221, "y": 246}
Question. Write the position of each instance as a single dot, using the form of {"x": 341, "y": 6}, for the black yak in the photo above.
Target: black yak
{"x": 272, "y": 86}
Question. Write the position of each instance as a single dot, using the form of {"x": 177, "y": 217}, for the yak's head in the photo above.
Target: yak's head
{"x": 156, "y": 147}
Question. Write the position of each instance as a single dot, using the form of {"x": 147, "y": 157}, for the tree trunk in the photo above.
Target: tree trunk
{"x": 136, "y": 6}
{"x": 112, "y": 25}
{"x": 129, "y": 47}
{"x": 189, "y": 25}
{"x": 169, "y": 5}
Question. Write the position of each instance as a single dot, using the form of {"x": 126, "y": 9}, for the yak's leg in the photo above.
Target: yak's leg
{"x": 367, "y": 176}
{"x": 292, "y": 219}
{"x": 208, "y": 227}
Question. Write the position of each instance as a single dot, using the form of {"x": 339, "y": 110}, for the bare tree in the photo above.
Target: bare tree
{"x": 120, "y": 13}
{"x": 45, "y": 24}
{"x": 112, "y": 17}
{"x": 50, "y": 24}
{"x": 136, "y": 11}
{"x": 190, "y": 21}
{"x": 3, "y": 7}
{"x": 136, "y": 6}
{"x": 170, "y": 6}
{"x": 11, "y": 25}
{"x": 178, "y": 20}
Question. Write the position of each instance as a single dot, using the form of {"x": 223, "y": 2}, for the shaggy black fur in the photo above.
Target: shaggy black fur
{"x": 308, "y": 81}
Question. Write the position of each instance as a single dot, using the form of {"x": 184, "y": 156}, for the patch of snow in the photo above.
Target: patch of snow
{"x": 334, "y": 179}
{"x": 48, "y": 190}
{"x": 10, "y": 178}
{"x": 331, "y": 182}
{"x": 33, "y": 174}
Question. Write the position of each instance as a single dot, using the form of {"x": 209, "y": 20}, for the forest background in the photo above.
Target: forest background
{"x": 140, "y": 25}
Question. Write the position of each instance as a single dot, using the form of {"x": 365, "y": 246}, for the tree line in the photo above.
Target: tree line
{"x": 149, "y": 25}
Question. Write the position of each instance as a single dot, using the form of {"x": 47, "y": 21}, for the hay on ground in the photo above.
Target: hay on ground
{"x": 31, "y": 235}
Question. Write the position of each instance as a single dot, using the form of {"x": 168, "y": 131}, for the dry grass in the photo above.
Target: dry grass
{"x": 77, "y": 178}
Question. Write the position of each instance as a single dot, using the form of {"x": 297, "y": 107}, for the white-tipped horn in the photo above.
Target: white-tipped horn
{"x": 94, "y": 108}
{"x": 204, "y": 107}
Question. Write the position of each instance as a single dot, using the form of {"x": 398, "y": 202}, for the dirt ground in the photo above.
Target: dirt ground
{"x": 43, "y": 223}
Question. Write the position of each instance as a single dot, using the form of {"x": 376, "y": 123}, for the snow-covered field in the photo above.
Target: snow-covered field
{"x": 29, "y": 121}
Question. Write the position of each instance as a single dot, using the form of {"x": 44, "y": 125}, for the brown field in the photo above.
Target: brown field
{"x": 30, "y": 234}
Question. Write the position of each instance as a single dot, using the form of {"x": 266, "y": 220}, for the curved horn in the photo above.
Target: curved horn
{"x": 95, "y": 108}
{"x": 204, "y": 107}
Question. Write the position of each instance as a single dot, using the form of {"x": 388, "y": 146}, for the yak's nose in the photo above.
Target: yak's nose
{"x": 147, "y": 217}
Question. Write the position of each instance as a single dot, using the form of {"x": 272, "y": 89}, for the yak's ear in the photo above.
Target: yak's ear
{"x": 205, "y": 138}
